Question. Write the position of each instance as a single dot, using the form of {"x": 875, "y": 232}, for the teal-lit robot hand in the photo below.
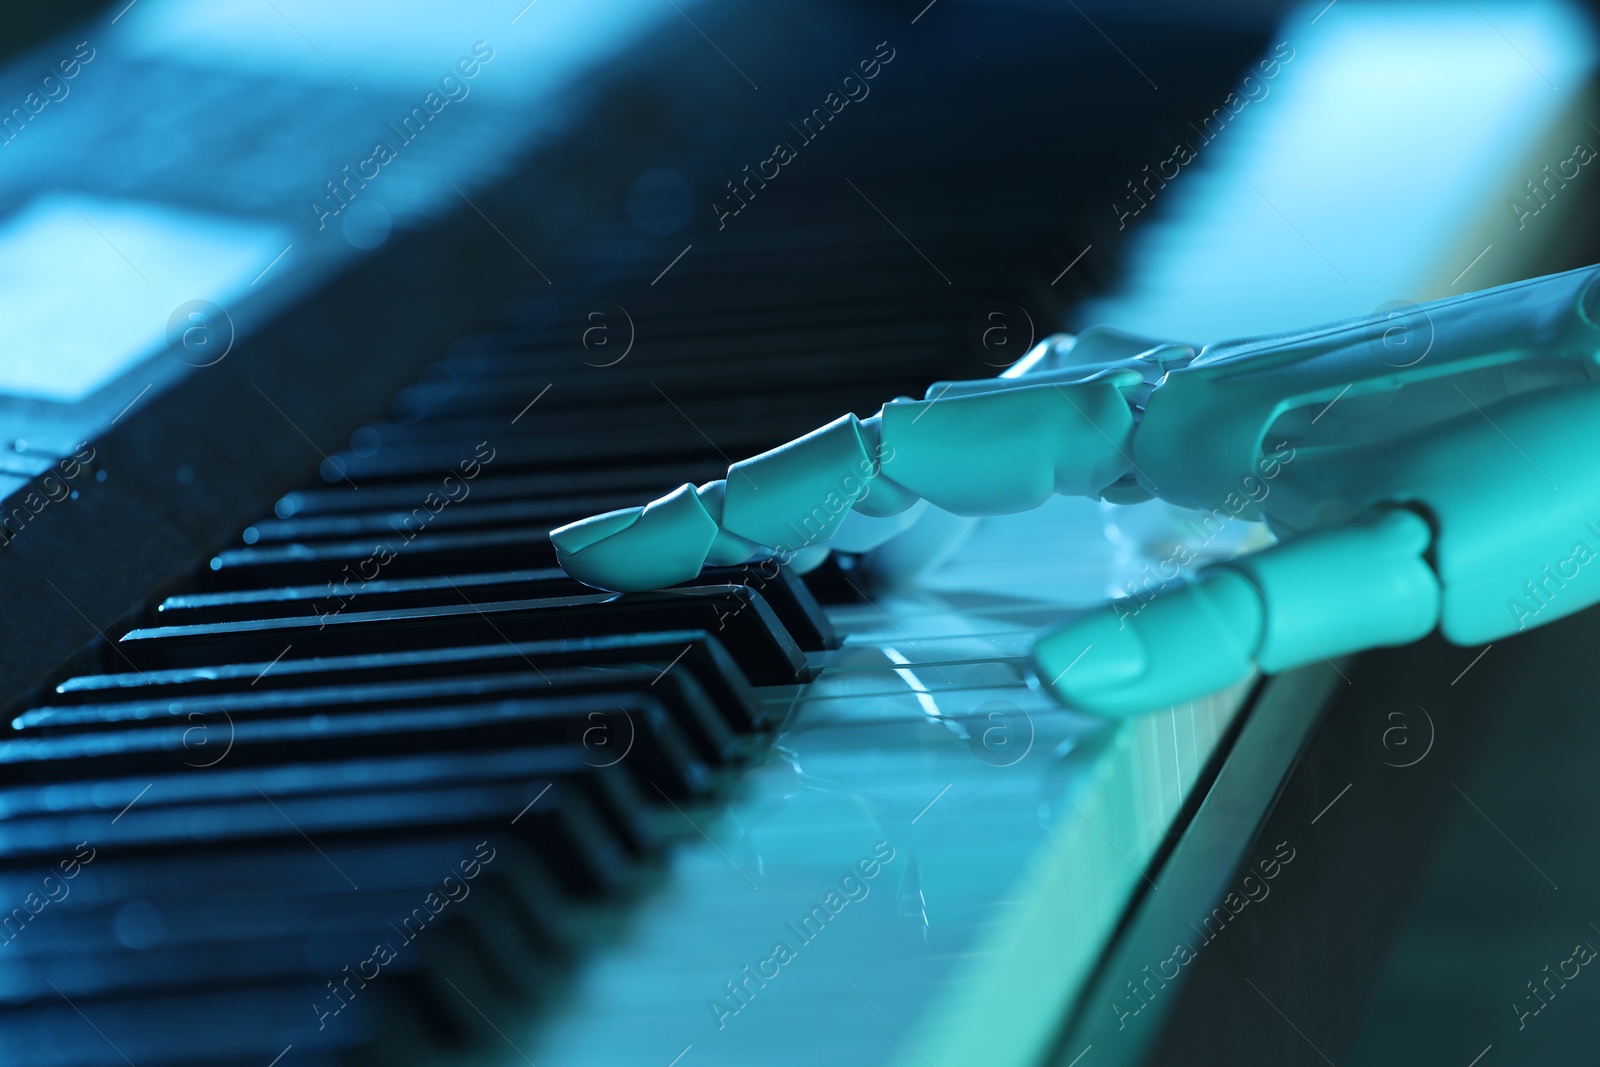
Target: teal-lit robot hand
{"x": 1436, "y": 466}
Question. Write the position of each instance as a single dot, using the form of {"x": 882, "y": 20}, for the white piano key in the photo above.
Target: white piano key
{"x": 1019, "y": 829}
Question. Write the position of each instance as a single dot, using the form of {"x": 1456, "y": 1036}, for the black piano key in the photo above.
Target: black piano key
{"x": 43, "y": 969}
{"x": 570, "y": 432}
{"x": 612, "y": 792}
{"x": 222, "y": 1028}
{"x": 562, "y": 826}
{"x": 838, "y": 580}
{"x": 647, "y": 480}
{"x": 686, "y": 701}
{"x": 653, "y": 748}
{"x": 547, "y": 736}
{"x": 198, "y": 943}
{"x": 538, "y": 905}
{"x": 737, "y": 614}
{"x": 586, "y": 826}
{"x": 784, "y": 592}
{"x": 891, "y": 357}
{"x": 691, "y": 651}
{"x": 677, "y": 440}
{"x": 838, "y": 335}
{"x": 292, "y": 869}
{"x": 446, "y": 552}
{"x": 418, "y": 518}
{"x": 792, "y": 601}
{"x": 195, "y": 943}
{"x": 502, "y": 344}
{"x": 634, "y": 401}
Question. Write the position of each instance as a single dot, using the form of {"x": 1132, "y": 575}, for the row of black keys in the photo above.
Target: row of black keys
{"x": 259, "y": 750}
{"x": 276, "y": 746}
{"x": 232, "y": 809}
{"x": 309, "y": 721}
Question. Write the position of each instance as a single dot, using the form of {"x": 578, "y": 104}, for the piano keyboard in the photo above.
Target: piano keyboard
{"x": 272, "y": 779}
{"x": 380, "y": 784}
{"x": 278, "y": 769}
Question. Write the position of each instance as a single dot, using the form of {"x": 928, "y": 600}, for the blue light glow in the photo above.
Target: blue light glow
{"x": 1371, "y": 154}
{"x": 85, "y": 296}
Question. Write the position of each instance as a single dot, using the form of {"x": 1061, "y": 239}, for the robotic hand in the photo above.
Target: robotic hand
{"x": 1430, "y": 468}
